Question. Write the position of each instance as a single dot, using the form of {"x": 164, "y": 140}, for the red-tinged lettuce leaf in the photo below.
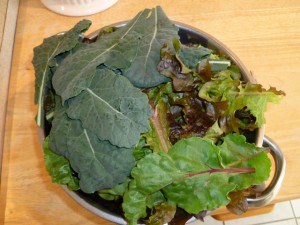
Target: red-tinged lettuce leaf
{"x": 191, "y": 176}
{"x": 220, "y": 88}
{"x": 163, "y": 214}
{"x": 171, "y": 66}
{"x": 238, "y": 203}
{"x": 44, "y": 60}
{"x": 247, "y": 103}
{"x": 158, "y": 136}
{"x": 59, "y": 168}
{"x": 112, "y": 108}
{"x": 134, "y": 49}
{"x": 194, "y": 117}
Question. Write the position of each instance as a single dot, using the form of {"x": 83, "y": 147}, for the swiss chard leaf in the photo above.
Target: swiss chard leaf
{"x": 191, "y": 175}
{"x": 59, "y": 168}
{"x": 133, "y": 49}
{"x": 112, "y": 108}
{"x": 44, "y": 60}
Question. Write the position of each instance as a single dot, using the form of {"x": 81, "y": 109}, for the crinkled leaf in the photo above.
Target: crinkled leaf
{"x": 163, "y": 214}
{"x": 171, "y": 67}
{"x": 44, "y": 60}
{"x": 195, "y": 116}
{"x": 141, "y": 149}
{"x": 238, "y": 203}
{"x": 191, "y": 175}
{"x": 133, "y": 48}
{"x": 59, "y": 168}
{"x": 98, "y": 163}
{"x": 134, "y": 204}
{"x": 112, "y": 108}
{"x": 246, "y": 103}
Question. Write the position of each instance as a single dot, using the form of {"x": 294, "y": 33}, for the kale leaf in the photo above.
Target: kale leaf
{"x": 44, "y": 60}
{"x": 133, "y": 49}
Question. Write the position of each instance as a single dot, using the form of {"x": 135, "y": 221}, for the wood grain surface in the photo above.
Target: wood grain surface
{"x": 265, "y": 35}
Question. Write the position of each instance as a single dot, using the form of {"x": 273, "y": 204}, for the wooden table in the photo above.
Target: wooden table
{"x": 264, "y": 34}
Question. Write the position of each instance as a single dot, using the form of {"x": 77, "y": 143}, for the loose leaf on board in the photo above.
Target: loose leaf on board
{"x": 192, "y": 176}
{"x": 44, "y": 56}
{"x": 112, "y": 108}
{"x": 133, "y": 48}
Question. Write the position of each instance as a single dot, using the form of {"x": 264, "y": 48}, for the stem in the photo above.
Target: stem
{"x": 226, "y": 170}
{"x": 159, "y": 129}
{"x": 247, "y": 158}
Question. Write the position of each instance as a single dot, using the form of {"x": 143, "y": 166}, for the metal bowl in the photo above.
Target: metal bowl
{"x": 109, "y": 211}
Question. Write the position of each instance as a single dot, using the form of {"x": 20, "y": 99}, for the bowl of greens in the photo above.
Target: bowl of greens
{"x": 153, "y": 121}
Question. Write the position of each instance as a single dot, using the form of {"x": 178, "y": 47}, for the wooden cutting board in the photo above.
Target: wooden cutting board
{"x": 264, "y": 34}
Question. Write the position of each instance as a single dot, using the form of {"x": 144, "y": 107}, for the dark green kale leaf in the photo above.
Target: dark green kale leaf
{"x": 44, "y": 60}
{"x": 112, "y": 108}
{"x": 134, "y": 49}
{"x": 99, "y": 164}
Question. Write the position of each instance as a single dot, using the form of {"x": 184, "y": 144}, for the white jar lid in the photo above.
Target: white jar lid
{"x": 78, "y": 7}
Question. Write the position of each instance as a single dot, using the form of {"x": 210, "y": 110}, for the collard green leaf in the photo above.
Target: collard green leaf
{"x": 44, "y": 59}
{"x": 133, "y": 48}
{"x": 192, "y": 175}
{"x": 59, "y": 130}
{"x": 112, "y": 108}
{"x": 99, "y": 164}
{"x": 59, "y": 168}
{"x": 158, "y": 29}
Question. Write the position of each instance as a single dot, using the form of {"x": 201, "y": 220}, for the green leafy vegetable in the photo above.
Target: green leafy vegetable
{"x": 192, "y": 175}
{"x": 247, "y": 103}
{"x": 112, "y": 99}
{"x": 59, "y": 168}
{"x": 44, "y": 60}
{"x": 133, "y": 48}
{"x": 99, "y": 164}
